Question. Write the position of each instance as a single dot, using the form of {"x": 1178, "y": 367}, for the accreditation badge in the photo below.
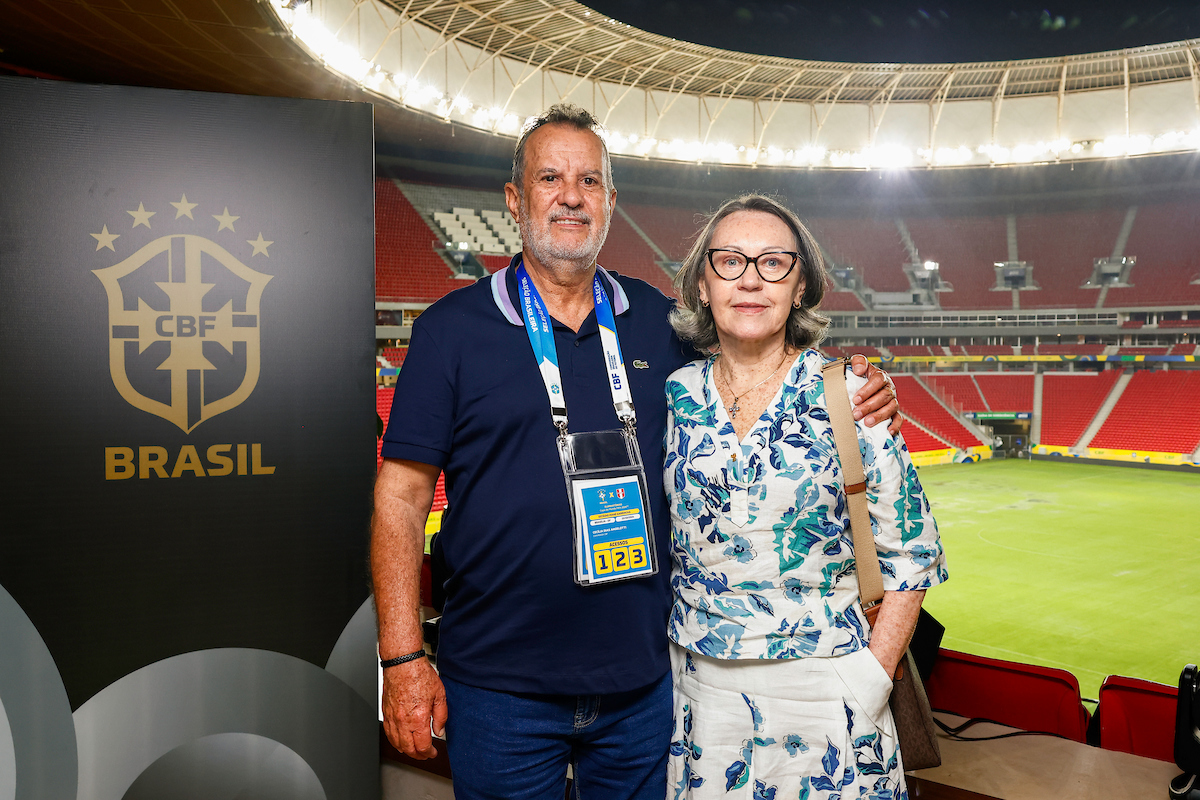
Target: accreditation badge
{"x": 613, "y": 535}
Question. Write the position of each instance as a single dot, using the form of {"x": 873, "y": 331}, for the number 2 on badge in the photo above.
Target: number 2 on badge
{"x": 620, "y": 559}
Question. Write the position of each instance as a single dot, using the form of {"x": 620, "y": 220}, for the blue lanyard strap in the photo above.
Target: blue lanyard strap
{"x": 541, "y": 338}
{"x": 618, "y": 381}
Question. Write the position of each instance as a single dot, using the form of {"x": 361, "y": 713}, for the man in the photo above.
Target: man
{"x": 535, "y": 671}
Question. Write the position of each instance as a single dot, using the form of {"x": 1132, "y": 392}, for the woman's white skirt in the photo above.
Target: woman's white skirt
{"x": 806, "y": 729}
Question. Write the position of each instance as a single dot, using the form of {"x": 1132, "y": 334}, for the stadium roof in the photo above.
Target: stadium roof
{"x": 568, "y": 37}
{"x": 488, "y": 64}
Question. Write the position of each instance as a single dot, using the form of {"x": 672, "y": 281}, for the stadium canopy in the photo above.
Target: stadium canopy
{"x": 491, "y": 64}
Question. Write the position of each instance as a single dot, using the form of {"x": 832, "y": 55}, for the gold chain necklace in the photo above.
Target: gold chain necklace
{"x": 735, "y": 408}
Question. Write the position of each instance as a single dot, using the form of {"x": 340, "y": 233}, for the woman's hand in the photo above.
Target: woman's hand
{"x": 877, "y": 399}
{"x": 894, "y": 627}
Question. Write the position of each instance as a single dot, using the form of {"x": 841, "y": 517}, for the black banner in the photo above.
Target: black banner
{"x": 186, "y": 296}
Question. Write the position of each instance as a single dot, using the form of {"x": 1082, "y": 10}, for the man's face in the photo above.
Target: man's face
{"x": 563, "y": 206}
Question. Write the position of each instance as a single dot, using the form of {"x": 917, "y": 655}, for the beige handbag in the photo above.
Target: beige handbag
{"x": 915, "y": 727}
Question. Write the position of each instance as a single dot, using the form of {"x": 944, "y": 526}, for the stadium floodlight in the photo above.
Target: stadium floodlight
{"x": 931, "y": 266}
{"x": 952, "y": 156}
{"x": 811, "y": 155}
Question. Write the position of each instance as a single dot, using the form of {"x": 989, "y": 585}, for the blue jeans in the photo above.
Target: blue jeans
{"x": 505, "y": 745}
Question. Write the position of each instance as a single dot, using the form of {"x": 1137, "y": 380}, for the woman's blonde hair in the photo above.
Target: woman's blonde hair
{"x": 693, "y": 321}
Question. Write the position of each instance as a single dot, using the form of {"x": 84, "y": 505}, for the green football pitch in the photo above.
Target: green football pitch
{"x": 1091, "y": 568}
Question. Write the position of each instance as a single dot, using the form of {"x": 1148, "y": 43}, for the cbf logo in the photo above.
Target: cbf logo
{"x": 184, "y": 314}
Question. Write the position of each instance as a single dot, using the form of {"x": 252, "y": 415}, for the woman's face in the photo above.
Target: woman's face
{"x": 749, "y": 309}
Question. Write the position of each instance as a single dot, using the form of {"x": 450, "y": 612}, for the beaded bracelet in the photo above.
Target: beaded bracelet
{"x": 391, "y": 662}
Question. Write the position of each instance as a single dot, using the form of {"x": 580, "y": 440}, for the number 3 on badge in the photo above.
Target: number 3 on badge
{"x": 637, "y": 556}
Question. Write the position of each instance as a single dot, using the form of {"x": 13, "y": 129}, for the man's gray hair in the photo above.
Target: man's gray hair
{"x": 561, "y": 114}
{"x": 694, "y": 322}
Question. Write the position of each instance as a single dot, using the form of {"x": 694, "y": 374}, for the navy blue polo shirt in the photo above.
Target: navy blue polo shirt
{"x": 470, "y": 399}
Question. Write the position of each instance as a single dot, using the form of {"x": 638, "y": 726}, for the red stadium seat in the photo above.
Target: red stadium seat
{"x": 959, "y": 391}
{"x": 1138, "y": 717}
{"x": 1022, "y": 696}
{"x": 1168, "y": 394}
{"x": 1007, "y": 392}
{"x": 1164, "y": 241}
{"x": 1070, "y": 402}
{"x": 921, "y": 406}
{"x": 966, "y": 248}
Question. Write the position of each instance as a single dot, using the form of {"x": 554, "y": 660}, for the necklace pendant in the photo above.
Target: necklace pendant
{"x": 734, "y": 409}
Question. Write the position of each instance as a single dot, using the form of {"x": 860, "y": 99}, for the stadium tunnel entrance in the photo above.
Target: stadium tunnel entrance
{"x": 1012, "y": 436}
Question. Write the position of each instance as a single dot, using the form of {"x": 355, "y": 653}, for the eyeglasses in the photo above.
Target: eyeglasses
{"x": 771, "y": 267}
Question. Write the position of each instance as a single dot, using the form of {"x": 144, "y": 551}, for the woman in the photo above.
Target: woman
{"x": 781, "y": 685}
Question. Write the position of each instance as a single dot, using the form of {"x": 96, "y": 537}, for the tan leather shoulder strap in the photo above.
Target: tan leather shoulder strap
{"x": 837, "y": 401}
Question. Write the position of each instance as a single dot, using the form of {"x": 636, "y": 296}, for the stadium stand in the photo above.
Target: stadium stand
{"x": 1142, "y": 351}
{"x": 1022, "y": 696}
{"x": 626, "y": 253}
{"x": 1166, "y": 242}
{"x": 486, "y": 231}
{"x": 909, "y": 350}
{"x": 1182, "y": 349}
{"x": 493, "y": 263}
{"x": 872, "y": 246}
{"x": 671, "y": 229}
{"x": 1179, "y": 323}
{"x": 835, "y": 300}
{"x": 918, "y": 441}
{"x": 407, "y": 267}
{"x": 1138, "y": 717}
{"x": 1070, "y": 402}
{"x": 1007, "y": 392}
{"x": 921, "y": 406}
{"x": 1155, "y": 413}
{"x": 966, "y": 249}
{"x": 395, "y": 355}
{"x": 1061, "y": 247}
{"x": 958, "y": 391}
{"x": 430, "y": 198}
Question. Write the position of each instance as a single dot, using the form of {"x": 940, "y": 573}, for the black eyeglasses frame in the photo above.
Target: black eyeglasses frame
{"x": 796, "y": 259}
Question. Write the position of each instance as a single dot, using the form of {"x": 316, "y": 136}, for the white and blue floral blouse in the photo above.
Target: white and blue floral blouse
{"x": 760, "y": 531}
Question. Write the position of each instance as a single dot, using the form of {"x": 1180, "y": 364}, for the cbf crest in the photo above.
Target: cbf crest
{"x": 184, "y": 313}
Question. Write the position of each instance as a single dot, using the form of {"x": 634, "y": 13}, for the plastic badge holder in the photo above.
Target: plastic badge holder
{"x": 613, "y": 537}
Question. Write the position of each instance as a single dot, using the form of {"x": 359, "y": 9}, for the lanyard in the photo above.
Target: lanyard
{"x": 541, "y": 337}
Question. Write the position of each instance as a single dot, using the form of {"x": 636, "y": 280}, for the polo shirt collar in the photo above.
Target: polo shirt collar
{"x": 503, "y": 300}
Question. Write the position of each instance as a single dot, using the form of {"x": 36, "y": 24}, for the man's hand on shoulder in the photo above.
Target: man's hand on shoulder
{"x": 414, "y": 701}
{"x": 876, "y": 400}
